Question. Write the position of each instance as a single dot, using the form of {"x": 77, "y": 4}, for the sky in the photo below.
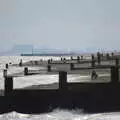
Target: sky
{"x": 64, "y": 24}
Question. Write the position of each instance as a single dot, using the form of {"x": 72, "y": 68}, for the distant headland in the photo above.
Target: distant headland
{"x": 50, "y": 54}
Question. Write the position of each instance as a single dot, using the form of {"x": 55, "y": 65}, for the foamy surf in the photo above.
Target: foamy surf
{"x": 60, "y": 114}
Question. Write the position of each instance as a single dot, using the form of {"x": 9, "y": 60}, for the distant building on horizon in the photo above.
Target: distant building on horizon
{"x": 23, "y": 49}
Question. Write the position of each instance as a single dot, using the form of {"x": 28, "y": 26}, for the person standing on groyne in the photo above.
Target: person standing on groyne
{"x": 81, "y": 57}
{"x": 94, "y": 75}
{"x": 6, "y": 66}
{"x": 99, "y": 57}
{"x": 93, "y": 60}
{"x": 107, "y": 56}
{"x": 20, "y": 64}
{"x": 112, "y": 54}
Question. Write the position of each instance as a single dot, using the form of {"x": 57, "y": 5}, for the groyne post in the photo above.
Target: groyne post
{"x": 81, "y": 57}
{"x": 4, "y": 73}
{"x": 107, "y": 56}
{"x": 49, "y": 68}
{"x": 93, "y": 61}
{"x": 8, "y": 85}
{"x": 114, "y": 74}
{"x": 36, "y": 62}
{"x": 62, "y": 80}
{"x": 6, "y": 66}
{"x": 71, "y": 66}
{"x": 78, "y": 59}
{"x": 101, "y": 56}
{"x": 41, "y": 60}
{"x": 98, "y": 58}
{"x": 31, "y": 62}
{"x": 20, "y": 64}
{"x": 116, "y": 61}
{"x": 26, "y": 71}
{"x": 112, "y": 54}
{"x": 64, "y": 60}
{"x": 49, "y": 61}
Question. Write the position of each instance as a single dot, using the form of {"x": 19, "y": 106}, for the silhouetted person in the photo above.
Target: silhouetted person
{"x": 117, "y": 61}
{"x": 20, "y": 64}
{"x": 94, "y": 75}
{"x": 5, "y": 73}
{"x": 101, "y": 55}
{"x": 64, "y": 60}
{"x": 112, "y": 54}
{"x": 81, "y": 57}
{"x": 26, "y": 71}
{"x": 48, "y": 61}
{"x": 107, "y": 55}
{"x": 98, "y": 57}
{"x": 41, "y": 60}
{"x": 6, "y": 66}
{"x": 92, "y": 57}
{"x": 93, "y": 61}
{"x": 36, "y": 62}
{"x": 51, "y": 59}
{"x": 78, "y": 58}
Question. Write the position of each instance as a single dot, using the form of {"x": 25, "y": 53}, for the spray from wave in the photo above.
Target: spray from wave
{"x": 60, "y": 114}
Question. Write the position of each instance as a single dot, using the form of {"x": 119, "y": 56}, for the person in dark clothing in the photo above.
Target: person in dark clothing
{"x": 94, "y": 75}
{"x": 20, "y": 64}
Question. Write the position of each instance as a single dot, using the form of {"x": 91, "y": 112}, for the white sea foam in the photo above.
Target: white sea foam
{"x": 60, "y": 114}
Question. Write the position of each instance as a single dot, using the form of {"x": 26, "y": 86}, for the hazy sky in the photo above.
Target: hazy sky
{"x": 60, "y": 23}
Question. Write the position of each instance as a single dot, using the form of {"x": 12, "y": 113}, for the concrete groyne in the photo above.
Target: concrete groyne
{"x": 90, "y": 96}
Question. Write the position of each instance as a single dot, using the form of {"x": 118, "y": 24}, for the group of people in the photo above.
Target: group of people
{"x": 94, "y": 75}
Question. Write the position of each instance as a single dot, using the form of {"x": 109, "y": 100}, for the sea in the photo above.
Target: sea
{"x": 56, "y": 114}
